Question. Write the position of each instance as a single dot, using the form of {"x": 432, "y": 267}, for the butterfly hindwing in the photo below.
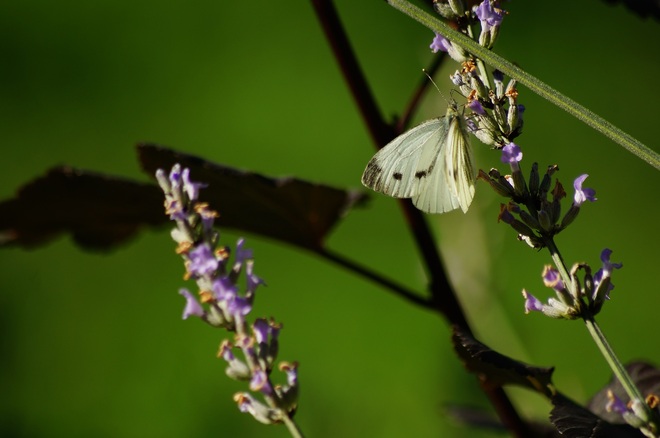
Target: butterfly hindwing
{"x": 461, "y": 172}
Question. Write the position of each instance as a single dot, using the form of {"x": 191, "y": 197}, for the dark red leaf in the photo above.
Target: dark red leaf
{"x": 287, "y": 209}
{"x": 102, "y": 211}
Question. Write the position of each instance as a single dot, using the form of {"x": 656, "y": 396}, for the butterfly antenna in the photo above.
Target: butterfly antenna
{"x": 436, "y": 86}
{"x": 432, "y": 81}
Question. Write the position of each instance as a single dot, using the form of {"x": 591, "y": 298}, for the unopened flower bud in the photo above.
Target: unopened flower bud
{"x": 449, "y": 9}
{"x": 534, "y": 179}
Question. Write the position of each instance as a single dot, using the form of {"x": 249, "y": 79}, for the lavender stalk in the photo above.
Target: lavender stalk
{"x": 222, "y": 305}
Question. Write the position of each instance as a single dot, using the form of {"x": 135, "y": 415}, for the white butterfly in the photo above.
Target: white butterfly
{"x": 432, "y": 164}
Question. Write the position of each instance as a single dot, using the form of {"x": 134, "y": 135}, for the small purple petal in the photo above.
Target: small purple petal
{"x": 192, "y": 305}
{"x": 244, "y": 402}
{"x": 440, "y": 43}
{"x": 239, "y": 306}
{"x": 241, "y": 253}
{"x": 225, "y": 351}
{"x": 207, "y": 216}
{"x": 260, "y": 382}
{"x": 260, "y": 328}
{"x": 291, "y": 373}
{"x": 615, "y": 404}
{"x": 191, "y": 188}
{"x": 605, "y": 258}
{"x": 488, "y": 16}
{"x": 511, "y": 154}
{"x": 175, "y": 210}
{"x": 224, "y": 289}
{"x": 175, "y": 176}
{"x": 606, "y": 270}
{"x": 531, "y": 303}
{"x": 252, "y": 280}
{"x": 476, "y": 107}
{"x": 551, "y": 278}
{"x": 582, "y": 194}
{"x": 598, "y": 278}
{"x": 202, "y": 261}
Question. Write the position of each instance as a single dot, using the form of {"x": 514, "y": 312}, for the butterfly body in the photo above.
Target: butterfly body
{"x": 431, "y": 163}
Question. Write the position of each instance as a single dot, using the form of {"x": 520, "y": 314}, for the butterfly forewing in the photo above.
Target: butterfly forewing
{"x": 434, "y": 195}
{"x": 398, "y": 169}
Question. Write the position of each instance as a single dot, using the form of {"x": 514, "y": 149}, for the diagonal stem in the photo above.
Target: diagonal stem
{"x": 542, "y": 89}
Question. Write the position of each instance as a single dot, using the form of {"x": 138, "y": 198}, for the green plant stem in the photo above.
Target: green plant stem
{"x": 293, "y": 427}
{"x": 573, "y": 108}
{"x": 614, "y": 363}
{"x": 622, "y": 375}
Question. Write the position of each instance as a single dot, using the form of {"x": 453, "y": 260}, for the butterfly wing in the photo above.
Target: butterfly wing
{"x": 431, "y": 163}
{"x": 459, "y": 162}
{"x": 403, "y": 165}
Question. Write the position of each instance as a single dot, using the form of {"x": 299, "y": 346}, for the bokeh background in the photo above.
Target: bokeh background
{"x": 94, "y": 344}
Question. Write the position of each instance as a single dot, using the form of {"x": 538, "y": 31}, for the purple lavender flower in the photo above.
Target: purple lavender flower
{"x": 615, "y": 404}
{"x": 512, "y": 154}
{"x": 261, "y": 330}
{"x": 608, "y": 266}
{"x": 531, "y": 302}
{"x": 241, "y": 254}
{"x": 551, "y": 278}
{"x": 192, "y": 305}
{"x": 175, "y": 209}
{"x": 225, "y": 351}
{"x": 291, "y": 370}
{"x": 476, "y": 107}
{"x": 224, "y": 289}
{"x": 488, "y": 16}
{"x": 175, "y": 177}
{"x": 219, "y": 291}
{"x": 606, "y": 271}
{"x": 207, "y": 216}
{"x": 582, "y": 194}
{"x": 239, "y": 306}
{"x": 202, "y": 261}
{"x": 260, "y": 412}
{"x": 252, "y": 280}
{"x": 440, "y": 43}
{"x": 260, "y": 382}
{"x": 191, "y": 188}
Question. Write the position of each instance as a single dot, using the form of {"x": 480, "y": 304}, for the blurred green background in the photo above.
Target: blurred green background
{"x": 94, "y": 344}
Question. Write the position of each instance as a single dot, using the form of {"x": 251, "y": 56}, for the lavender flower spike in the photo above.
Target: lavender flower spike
{"x": 221, "y": 303}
